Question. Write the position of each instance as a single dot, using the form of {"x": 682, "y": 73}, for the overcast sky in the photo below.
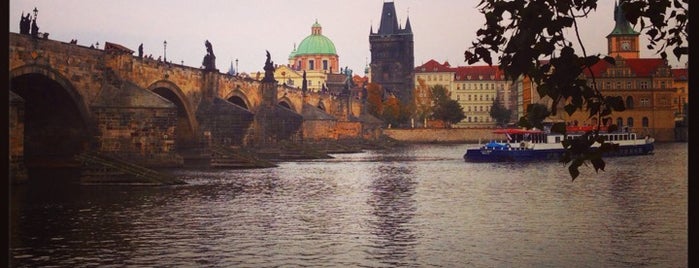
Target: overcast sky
{"x": 243, "y": 30}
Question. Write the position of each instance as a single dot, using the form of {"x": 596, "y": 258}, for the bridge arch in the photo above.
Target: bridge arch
{"x": 239, "y": 98}
{"x": 186, "y": 123}
{"x": 286, "y": 102}
{"x": 57, "y": 121}
{"x": 321, "y": 106}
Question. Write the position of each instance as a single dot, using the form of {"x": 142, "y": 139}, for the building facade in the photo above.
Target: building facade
{"x": 475, "y": 88}
{"x": 316, "y": 55}
{"x": 392, "y": 56}
{"x": 645, "y": 84}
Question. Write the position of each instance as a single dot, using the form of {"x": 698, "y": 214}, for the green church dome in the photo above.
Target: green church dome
{"x": 314, "y": 44}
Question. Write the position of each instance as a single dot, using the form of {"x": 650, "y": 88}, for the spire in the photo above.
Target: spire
{"x": 622, "y": 26}
{"x": 231, "y": 70}
{"x": 389, "y": 21}
{"x": 407, "y": 25}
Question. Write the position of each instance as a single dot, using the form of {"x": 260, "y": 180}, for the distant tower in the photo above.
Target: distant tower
{"x": 623, "y": 40}
{"x": 392, "y": 57}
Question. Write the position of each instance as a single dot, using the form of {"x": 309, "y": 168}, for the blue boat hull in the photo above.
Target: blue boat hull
{"x": 522, "y": 155}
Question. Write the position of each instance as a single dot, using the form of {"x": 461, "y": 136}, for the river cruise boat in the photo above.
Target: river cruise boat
{"x": 521, "y": 145}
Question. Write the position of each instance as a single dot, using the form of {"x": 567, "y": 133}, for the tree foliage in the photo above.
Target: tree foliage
{"x": 423, "y": 110}
{"x": 500, "y": 113}
{"x": 394, "y": 112}
{"x": 444, "y": 108}
{"x": 529, "y": 37}
{"x": 374, "y": 99}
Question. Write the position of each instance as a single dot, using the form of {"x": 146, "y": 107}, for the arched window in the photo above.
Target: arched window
{"x": 644, "y": 122}
{"x": 629, "y": 121}
{"x": 619, "y": 122}
{"x": 629, "y": 102}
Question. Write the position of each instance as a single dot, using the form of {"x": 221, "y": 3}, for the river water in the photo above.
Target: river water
{"x": 416, "y": 206}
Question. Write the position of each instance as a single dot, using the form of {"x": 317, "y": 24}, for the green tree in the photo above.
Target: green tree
{"x": 500, "y": 113}
{"x": 444, "y": 108}
{"x": 530, "y": 39}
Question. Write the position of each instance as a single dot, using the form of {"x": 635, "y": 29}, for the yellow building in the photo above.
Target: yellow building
{"x": 473, "y": 87}
{"x": 681, "y": 78}
{"x": 645, "y": 84}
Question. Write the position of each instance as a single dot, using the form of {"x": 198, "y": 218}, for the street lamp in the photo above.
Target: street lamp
{"x": 236, "y": 66}
{"x": 165, "y": 51}
{"x": 36, "y": 11}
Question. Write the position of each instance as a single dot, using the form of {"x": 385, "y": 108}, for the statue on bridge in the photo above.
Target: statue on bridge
{"x": 35, "y": 29}
{"x": 140, "y": 50}
{"x": 25, "y": 24}
{"x": 304, "y": 84}
{"x": 209, "y": 60}
{"x": 269, "y": 69}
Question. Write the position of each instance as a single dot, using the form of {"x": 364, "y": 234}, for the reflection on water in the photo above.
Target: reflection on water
{"x": 420, "y": 206}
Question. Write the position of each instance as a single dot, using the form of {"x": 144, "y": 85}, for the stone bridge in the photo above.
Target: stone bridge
{"x": 66, "y": 99}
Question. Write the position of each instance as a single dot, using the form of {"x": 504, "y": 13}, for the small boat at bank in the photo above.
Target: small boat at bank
{"x": 531, "y": 145}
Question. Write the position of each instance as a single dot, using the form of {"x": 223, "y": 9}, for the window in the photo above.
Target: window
{"x": 645, "y": 102}
{"x": 644, "y": 122}
{"x": 325, "y": 65}
{"x": 619, "y": 122}
{"x": 629, "y": 122}
{"x": 628, "y": 85}
{"x": 644, "y": 84}
{"x": 662, "y": 84}
{"x": 311, "y": 65}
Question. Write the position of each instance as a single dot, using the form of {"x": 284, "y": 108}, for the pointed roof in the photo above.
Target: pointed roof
{"x": 389, "y": 21}
{"x": 407, "y": 25}
{"x": 622, "y": 25}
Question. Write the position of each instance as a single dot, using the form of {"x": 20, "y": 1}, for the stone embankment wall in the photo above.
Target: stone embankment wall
{"x": 437, "y": 135}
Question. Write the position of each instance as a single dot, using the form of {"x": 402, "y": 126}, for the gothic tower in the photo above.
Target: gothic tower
{"x": 623, "y": 40}
{"x": 392, "y": 58}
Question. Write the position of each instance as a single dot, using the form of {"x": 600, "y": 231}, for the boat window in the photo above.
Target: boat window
{"x": 633, "y": 136}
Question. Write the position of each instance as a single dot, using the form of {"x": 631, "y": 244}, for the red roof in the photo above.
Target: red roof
{"x": 680, "y": 74}
{"x": 434, "y": 66}
{"x": 485, "y": 72}
{"x": 639, "y": 67}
